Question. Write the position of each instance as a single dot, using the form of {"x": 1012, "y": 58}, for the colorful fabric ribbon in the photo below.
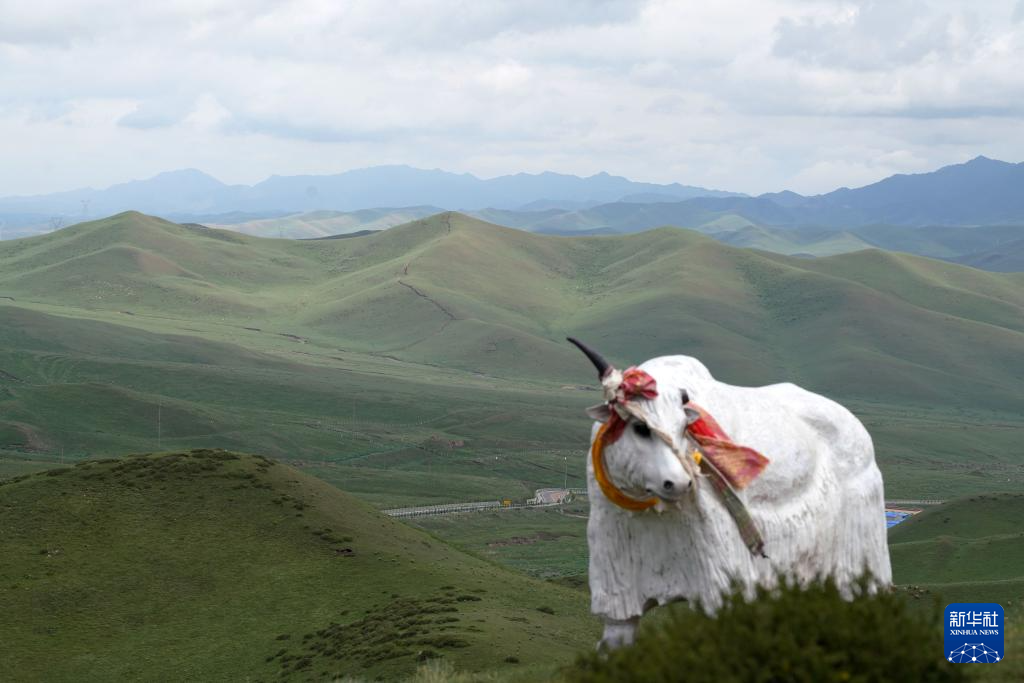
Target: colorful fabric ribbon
{"x": 738, "y": 464}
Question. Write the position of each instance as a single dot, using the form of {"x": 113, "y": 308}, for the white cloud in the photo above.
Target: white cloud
{"x": 755, "y": 96}
{"x": 506, "y": 77}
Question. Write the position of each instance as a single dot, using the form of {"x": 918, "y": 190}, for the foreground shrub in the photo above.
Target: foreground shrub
{"x": 791, "y": 634}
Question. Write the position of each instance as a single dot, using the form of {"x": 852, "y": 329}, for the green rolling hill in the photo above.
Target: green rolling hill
{"x": 316, "y": 224}
{"x": 461, "y": 293}
{"x": 758, "y": 223}
{"x": 940, "y": 241}
{"x": 1008, "y": 258}
{"x": 966, "y": 550}
{"x": 370, "y": 354}
{"x": 81, "y": 387}
{"x": 790, "y": 242}
{"x": 209, "y": 565}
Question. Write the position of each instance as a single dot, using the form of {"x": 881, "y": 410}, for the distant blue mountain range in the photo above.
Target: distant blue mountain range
{"x": 194, "y": 192}
{"x": 982, "y": 191}
{"x": 979, "y": 192}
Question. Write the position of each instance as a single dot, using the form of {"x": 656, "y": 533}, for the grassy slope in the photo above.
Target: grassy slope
{"x": 970, "y": 550}
{"x": 548, "y": 543}
{"x": 93, "y": 387}
{"x": 499, "y": 294}
{"x": 981, "y": 246}
{"x": 203, "y": 566}
{"x": 314, "y": 224}
{"x": 1004, "y": 258}
{"x": 938, "y": 241}
{"x": 783, "y": 241}
{"x": 925, "y": 352}
{"x": 967, "y": 550}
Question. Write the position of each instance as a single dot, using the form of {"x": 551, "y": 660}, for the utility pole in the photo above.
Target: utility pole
{"x": 565, "y": 482}
{"x": 159, "y": 425}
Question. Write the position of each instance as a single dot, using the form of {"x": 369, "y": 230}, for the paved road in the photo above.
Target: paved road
{"x": 541, "y": 498}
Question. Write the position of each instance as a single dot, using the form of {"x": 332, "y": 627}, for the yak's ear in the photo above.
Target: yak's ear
{"x": 601, "y": 412}
{"x": 691, "y": 416}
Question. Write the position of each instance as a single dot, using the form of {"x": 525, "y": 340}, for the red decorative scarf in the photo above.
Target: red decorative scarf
{"x": 636, "y": 384}
{"x": 738, "y": 464}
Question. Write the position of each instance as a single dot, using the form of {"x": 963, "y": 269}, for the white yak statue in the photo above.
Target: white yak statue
{"x": 818, "y": 505}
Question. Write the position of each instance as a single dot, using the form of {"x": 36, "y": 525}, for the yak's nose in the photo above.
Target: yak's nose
{"x": 670, "y": 488}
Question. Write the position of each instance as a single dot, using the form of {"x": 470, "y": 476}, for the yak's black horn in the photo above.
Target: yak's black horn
{"x": 603, "y": 366}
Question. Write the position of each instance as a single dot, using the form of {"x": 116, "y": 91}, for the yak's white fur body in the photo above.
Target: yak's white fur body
{"x": 819, "y": 504}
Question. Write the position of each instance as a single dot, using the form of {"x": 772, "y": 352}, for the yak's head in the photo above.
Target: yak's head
{"x": 643, "y": 419}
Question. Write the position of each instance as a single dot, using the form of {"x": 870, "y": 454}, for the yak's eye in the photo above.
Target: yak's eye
{"x": 640, "y": 429}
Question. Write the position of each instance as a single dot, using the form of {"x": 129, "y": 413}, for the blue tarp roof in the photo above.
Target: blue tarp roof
{"x": 894, "y": 517}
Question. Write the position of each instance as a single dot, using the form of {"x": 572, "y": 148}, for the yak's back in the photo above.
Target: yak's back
{"x": 794, "y": 427}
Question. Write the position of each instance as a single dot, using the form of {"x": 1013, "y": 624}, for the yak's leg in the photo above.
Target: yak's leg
{"x": 618, "y": 633}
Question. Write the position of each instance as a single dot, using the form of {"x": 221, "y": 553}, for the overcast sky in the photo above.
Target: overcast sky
{"x": 752, "y": 96}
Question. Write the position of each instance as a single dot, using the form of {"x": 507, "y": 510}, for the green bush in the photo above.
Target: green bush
{"x": 806, "y": 635}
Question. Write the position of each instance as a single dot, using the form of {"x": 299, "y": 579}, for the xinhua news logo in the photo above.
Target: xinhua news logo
{"x": 974, "y": 633}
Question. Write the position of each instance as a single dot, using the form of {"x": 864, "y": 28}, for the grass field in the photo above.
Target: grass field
{"x": 216, "y": 566}
{"x": 426, "y": 363}
{"x": 967, "y": 550}
{"x": 320, "y": 224}
{"x": 549, "y": 543}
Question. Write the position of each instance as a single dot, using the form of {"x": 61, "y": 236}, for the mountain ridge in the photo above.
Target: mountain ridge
{"x": 978, "y": 192}
{"x": 191, "y": 191}
{"x": 981, "y": 192}
{"x": 453, "y": 293}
